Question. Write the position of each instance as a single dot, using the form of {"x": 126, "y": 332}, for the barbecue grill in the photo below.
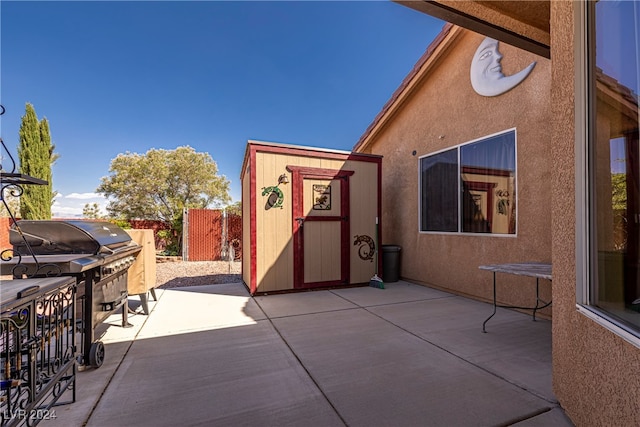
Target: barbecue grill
{"x": 97, "y": 253}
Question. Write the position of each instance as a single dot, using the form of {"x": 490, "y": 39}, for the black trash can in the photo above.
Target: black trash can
{"x": 391, "y": 263}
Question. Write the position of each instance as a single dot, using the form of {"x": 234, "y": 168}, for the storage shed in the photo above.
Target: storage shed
{"x": 309, "y": 217}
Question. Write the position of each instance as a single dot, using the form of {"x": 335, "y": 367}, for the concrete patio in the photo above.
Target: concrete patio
{"x": 406, "y": 355}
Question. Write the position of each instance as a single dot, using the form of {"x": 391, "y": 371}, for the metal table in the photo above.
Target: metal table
{"x": 531, "y": 269}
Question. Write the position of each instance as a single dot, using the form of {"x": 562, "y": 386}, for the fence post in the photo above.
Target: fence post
{"x": 185, "y": 234}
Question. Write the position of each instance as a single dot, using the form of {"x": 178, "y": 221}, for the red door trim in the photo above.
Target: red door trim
{"x": 488, "y": 188}
{"x": 299, "y": 173}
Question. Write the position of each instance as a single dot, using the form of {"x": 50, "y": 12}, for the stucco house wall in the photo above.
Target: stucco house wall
{"x": 595, "y": 372}
{"x": 595, "y": 367}
{"x": 437, "y": 108}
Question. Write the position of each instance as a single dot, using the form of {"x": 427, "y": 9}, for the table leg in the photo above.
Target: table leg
{"x": 494, "y": 304}
{"x": 537, "y": 300}
{"x": 125, "y": 314}
{"x": 145, "y": 304}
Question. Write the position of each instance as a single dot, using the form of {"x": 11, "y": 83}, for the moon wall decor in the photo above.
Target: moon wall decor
{"x": 486, "y": 72}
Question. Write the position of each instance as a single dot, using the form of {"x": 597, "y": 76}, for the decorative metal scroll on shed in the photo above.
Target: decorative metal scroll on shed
{"x": 302, "y": 207}
{"x": 366, "y": 247}
{"x": 275, "y": 196}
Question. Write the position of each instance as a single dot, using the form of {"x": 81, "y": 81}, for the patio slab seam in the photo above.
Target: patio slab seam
{"x": 530, "y": 416}
{"x": 284, "y": 316}
{"x": 302, "y": 365}
{"x": 524, "y": 417}
{"x": 548, "y": 406}
{"x": 315, "y": 380}
{"x": 390, "y": 303}
{"x": 515, "y": 384}
{"x": 126, "y": 352}
{"x": 454, "y": 296}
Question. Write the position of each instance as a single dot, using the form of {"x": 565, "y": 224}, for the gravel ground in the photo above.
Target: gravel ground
{"x": 179, "y": 274}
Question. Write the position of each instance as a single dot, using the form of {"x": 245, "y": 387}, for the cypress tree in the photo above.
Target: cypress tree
{"x": 45, "y": 138}
{"x": 35, "y": 153}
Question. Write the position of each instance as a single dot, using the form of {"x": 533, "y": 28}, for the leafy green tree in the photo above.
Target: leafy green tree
{"x": 619, "y": 206}
{"x": 160, "y": 184}
{"x": 36, "y": 155}
{"x": 91, "y": 211}
{"x": 235, "y": 208}
{"x": 619, "y": 191}
{"x": 12, "y": 202}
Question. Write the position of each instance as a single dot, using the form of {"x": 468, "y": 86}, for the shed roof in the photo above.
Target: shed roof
{"x": 303, "y": 150}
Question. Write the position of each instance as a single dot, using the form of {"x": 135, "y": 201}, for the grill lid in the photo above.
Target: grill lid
{"x": 50, "y": 237}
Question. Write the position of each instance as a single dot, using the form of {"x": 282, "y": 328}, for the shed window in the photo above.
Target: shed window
{"x": 470, "y": 188}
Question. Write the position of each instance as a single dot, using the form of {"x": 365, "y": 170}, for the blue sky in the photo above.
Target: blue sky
{"x": 616, "y": 26}
{"x": 115, "y": 77}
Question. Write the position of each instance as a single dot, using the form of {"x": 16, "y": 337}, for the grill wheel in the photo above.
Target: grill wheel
{"x": 96, "y": 354}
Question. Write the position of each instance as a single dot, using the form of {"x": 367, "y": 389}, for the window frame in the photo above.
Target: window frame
{"x": 585, "y": 122}
{"x": 459, "y": 178}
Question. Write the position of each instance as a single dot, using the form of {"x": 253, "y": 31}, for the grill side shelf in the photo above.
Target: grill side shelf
{"x": 20, "y": 179}
{"x": 37, "y": 347}
{"x": 29, "y": 290}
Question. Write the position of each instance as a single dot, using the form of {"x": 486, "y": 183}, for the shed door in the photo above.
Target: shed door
{"x": 320, "y": 227}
